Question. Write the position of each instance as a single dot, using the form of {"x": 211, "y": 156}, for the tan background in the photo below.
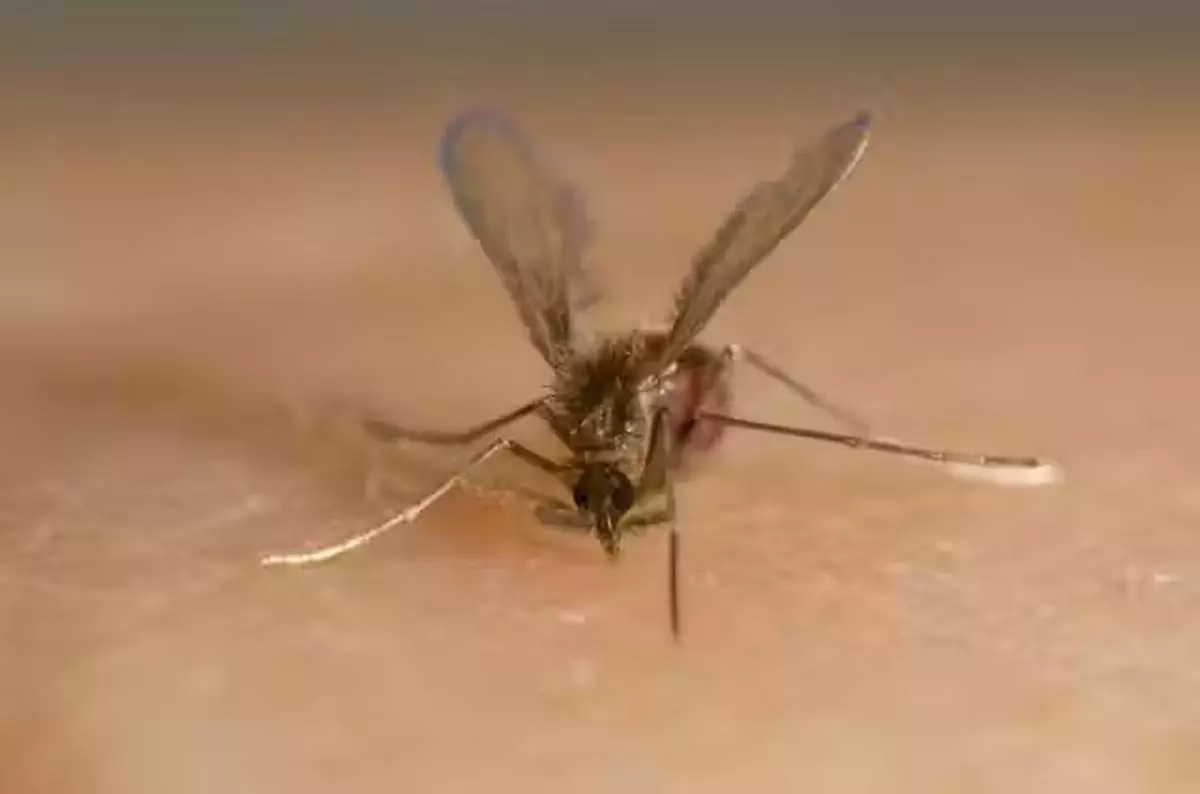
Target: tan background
{"x": 201, "y": 288}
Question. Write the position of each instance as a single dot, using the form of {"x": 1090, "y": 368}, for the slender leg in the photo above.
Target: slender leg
{"x": 1008, "y": 469}
{"x": 411, "y": 513}
{"x": 387, "y": 431}
{"x": 656, "y": 478}
{"x": 734, "y": 354}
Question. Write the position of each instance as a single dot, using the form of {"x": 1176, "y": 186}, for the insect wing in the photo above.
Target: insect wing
{"x": 530, "y": 222}
{"x": 759, "y": 223}
{"x": 585, "y": 290}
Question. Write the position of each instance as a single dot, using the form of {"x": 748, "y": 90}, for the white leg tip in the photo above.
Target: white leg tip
{"x": 1045, "y": 473}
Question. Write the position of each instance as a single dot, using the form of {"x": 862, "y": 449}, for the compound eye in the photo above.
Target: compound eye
{"x": 580, "y": 494}
{"x": 622, "y": 492}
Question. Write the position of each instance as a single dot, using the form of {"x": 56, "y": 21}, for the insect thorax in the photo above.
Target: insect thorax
{"x": 599, "y": 403}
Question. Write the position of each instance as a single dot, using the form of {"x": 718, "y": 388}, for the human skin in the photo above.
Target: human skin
{"x": 193, "y": 323}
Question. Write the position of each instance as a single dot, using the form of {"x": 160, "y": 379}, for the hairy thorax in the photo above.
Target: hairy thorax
{"x": 607, "y": 397}
{"x": 602, "y": 407}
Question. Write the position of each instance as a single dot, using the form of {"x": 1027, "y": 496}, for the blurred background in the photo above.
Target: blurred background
{"x": 224, "y": 238}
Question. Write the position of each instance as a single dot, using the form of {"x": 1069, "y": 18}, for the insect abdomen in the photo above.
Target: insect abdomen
{"x": 700, "y": 381}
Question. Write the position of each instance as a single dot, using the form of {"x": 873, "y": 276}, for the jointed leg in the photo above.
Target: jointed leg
{"x": 411, "y": 513}
{"x": 387, "y": 431}
{"x": 656, "y": 478}
{"x": 1007, "y": 469}
{"x": 734, "y": 354}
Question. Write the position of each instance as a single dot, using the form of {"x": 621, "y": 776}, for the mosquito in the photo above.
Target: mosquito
{"x": 633, "y": 409}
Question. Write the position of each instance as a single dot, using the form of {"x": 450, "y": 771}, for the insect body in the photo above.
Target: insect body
{"x": 629, "y": 427}
{"x": 632, "y": 410}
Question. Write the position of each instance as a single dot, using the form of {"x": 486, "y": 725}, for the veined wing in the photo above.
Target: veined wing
{"x": 584, "y": 288}
{"x": 758, "y": 224}
{"x": 530, "y": 222}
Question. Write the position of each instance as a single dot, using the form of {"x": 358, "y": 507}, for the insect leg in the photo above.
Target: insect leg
{"x": 410, "y": 514}
{"x": 736, "y": 354}
{"x": 1001, "y": 469}
{"x": 656, "y": 478}
{"x": 386, "y": 431}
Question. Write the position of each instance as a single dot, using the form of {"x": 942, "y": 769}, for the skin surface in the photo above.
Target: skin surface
{"x": 197, "y": 308}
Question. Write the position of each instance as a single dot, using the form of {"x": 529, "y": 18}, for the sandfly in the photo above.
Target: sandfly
{"x": 633, "y": 409}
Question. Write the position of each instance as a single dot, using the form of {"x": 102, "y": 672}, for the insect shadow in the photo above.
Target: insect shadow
{"x": 633, "y": 409}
